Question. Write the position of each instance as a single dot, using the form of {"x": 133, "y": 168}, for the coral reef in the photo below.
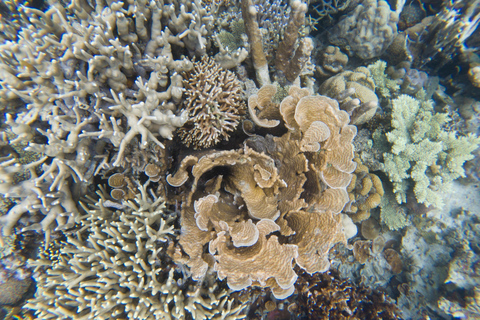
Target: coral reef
{"x": 424, "y": 151}
{"x": 15, "y": 279}
{"x": 365, "y": 192}
{"x": 213, "y": 102}
{"x": 120, "y": 147}
{"x": 92, "y": 75}
{"x": 239, "y": 197}
{"x": 355, "y": 90}
{"x": 326, "y": 296}
{"x": 368, "y": 30}
{"x": 449, "y": 31}
{"x": 332, "y": 61}
{"x": 293, "y": 52}
{"x": 117, "y": 265}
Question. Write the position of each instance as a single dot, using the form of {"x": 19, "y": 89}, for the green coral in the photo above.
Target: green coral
{"x": 383, "y": 84}
{"x": 391, "y": 213}
{"x": 423, "y": 151}
{"x": 232, "y": 41}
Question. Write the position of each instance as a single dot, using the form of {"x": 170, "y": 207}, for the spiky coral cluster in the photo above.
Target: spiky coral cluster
{"x": 116, "y": 267}
{"x": 213, "y": 102}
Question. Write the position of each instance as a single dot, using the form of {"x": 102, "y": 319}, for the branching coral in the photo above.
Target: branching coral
{"x": 90, "y": 77}
{"x": 248, "y": 205}
{"x": 424, "y": 151}
{"x": 289, "y": 61}
{"x": 213, "y": 103}
{"x": 116, "y": 266}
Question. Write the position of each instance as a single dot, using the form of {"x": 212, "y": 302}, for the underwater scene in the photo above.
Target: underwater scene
{"x": 239, "y": 159}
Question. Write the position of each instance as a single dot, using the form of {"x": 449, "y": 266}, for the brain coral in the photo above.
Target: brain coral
{"x": 213, "y": 102}
{"x": 251, "y": 213}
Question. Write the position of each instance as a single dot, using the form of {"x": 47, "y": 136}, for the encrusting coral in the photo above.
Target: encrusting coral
{"x": 365, "y": 192}
{"x": 262, "y": 201}
{"x": 116, "y": 266}
{"x": 355, "y": 90}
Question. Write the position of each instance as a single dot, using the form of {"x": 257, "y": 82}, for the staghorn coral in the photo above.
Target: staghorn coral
{"x": 445, "y": 36}
{"x": 116, "y": 267}
{"x": 83, "y": 78}
{"x": 239, "y": 197}
{"x": 288, "y": 60}
{"x": 213, "y": 103}
{"x": 368, "y": 30}
{"x": 249, "y": 14}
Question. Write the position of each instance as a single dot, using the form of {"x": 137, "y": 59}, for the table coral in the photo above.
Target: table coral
{"x": 263, "y": 200}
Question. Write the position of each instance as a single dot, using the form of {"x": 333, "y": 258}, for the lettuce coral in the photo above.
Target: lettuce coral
{"x": 252, "y": 212}
{"x": 424, "y": 151}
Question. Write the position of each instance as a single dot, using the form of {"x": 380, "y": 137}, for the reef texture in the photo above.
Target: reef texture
{"x": 110, "y": 113}
{"x": 368, "y": 30}
{"x": 424, "y": 151}
{"x": 275, "y": 201}
{"x": 365, "y": 192}
{"x": 213, "y": 100}
{"x": 84, "y": 75}
{"x": 325, "y": 296}
{"x": 355, "y": 90}
{"x": 116, "y": 266}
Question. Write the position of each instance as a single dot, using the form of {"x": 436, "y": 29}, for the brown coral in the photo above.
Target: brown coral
{"x": 355, "y": 91}
{"x": 333, "y": 61}
{"x": 326, "y": 296}
{"x": 213, "y": 102}
{"x": 262, "y": 101}
{"x": 251, "y": 212}
{"x": 365, "y": 192}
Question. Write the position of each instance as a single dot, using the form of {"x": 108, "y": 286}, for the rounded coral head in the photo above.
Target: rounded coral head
{"x": 214, "y": 104}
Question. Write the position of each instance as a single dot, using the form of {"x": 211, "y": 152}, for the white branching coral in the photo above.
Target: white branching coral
{"x": 82, "y": 80}
{"x": 116, "y": 267}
